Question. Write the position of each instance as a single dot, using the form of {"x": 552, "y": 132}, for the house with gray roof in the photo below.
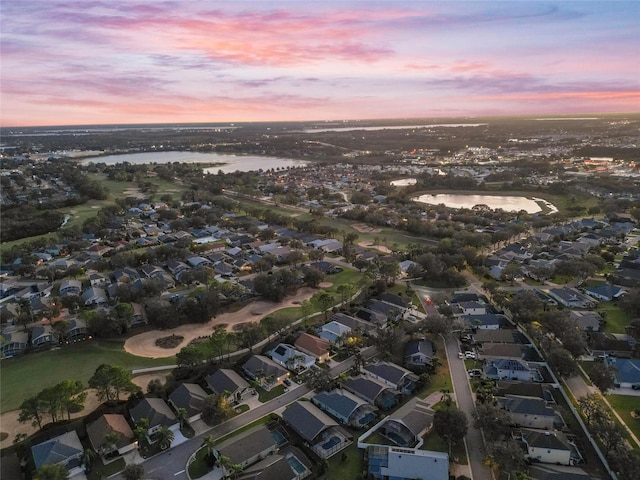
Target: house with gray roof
{"x": 549, "y": 447}
{"x": 508, "y": 351}
{"x": 316, "y": 428}
{"x": 531, "y": 412}
{"x": 65, "y": 450}
{"x": 511, "y": 369}
{"x": 393, "y": 376}
{"x": 156, "y": 411}
{"x": 587, "y": 320}
{"x": 77, "y": 330}
{"x": 94, "y": 296}
{"x": 291, "y": 358}
{"x": 409, "y": 424}
{"x": 557, "y": 472}
{"x": 334, "y": 332}
{"x": 384, "y": 462}
{"x": 43, "y": 336}
{"x": 373, "y": 391}
{"x": 189, "y": 396}
{"x": 249, "y": 447}
{"x": 572, "y": 298}
{"x": 229, "y": 383}
{"x": 348, "y": 408}
{"x": 419, "y": 353}
{"x": 13, "y": 343}
{"x": 70, "y": 287}
{"x": 265, "y": 371}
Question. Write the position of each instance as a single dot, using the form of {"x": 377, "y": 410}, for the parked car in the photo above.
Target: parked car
{"x": 476, "y": 372}
{"x": 460, "y": 355}
{"x": 287, "y": 382}
{"x": 636, "y": 386}
{"x": 470, "y": 355}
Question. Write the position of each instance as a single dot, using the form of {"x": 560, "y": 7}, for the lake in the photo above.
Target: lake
{"x": 232, "y": 163}
{"x": 389, "y": 127}
{"x": 530, "y": 205}
{"x": 403, "y": 182}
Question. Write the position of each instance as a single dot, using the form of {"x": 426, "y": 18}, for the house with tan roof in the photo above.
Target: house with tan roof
{"x": 315, "y": 346}
{"x": 111, "y": 425}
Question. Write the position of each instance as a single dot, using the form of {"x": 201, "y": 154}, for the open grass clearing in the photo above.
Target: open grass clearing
{"x": 24, "y": 376}
{"x": 623, "y": 405}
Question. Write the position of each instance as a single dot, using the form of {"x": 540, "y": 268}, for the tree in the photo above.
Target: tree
{"x": 592, "y": 409}
{"x": 133, "y": 471}
{"x": 110, "y": 381}
{"x": 345, "y": 291}
{"x": 495, "y": 422}
{"x": 305, "y": 309}
{"x": 216, "y": 408}
{"x": 165, "y": 436}
{"x": 562, "y": 362}
{"x": 88, "y": 456}
{"x": 603, "y": 376}
{"x": 141, "y": 429}
{"x": 61, "y": 327}
{"x": 325, "y": 300}
{"x": 181, "y": 415}
{"x": 52, "y": 472}
{"x": 32, "y": 410}
{"x": 508, "y": 456}
{"x": 451, "y": 425}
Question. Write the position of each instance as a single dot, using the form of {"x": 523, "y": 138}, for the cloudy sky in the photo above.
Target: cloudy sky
{"x": 116, "y": 61}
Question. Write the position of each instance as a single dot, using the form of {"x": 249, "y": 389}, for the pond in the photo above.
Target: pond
{"x": 228, "y": 163}
{"x": 507, "y": 203}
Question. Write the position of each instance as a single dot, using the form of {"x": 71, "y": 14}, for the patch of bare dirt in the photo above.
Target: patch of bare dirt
{"x": 172, "y": 341}
{"x": 364, "y": 228}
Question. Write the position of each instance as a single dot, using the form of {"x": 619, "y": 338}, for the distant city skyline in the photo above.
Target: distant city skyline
{"x": 123, "y": 62}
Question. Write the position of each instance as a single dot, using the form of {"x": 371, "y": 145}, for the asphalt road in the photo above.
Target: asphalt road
{"x": 171, "y": 465}
{"x": 464, "y": 397}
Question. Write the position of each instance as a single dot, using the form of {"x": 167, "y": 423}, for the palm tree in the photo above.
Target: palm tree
{"x": 88, "y": 456}
{"x": 165, "y": 436}
{"x": 181, "y": 415}
{"x": 141, "y": 430}
{"x": 110, "y": 442}
{"x": 325, "y": 300}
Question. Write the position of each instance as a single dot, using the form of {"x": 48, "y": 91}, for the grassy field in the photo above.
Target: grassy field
{"x": 27, "y": 375}
{"x": 623, "y": 405}
{"x": 616, "y": 319}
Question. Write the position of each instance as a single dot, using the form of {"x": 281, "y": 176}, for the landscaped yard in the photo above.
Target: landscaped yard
{"x": 27, "y": 375}
{"x": 265, "y": 396}
{"x": 349, "y": 468}
{"x": 434, "y": 443}
{"x": 615, "y": 317}
{"x": 441, "y": 380}
{"x": 199, "y": 467}
{"x": 624, "y": 404}
{"x": 99, "y": 470}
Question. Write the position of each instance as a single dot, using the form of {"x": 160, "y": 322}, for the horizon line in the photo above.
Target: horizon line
{"x": 350, "y": 120}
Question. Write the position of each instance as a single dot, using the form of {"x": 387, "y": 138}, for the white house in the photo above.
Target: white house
{"x": 549, "y": 447}
{"x": 290, "y": 358}
{"x": 406, "y": 463}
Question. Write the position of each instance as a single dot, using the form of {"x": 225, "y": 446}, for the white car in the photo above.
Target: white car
{"x": 470, "y": 355}
{"x": 460, "y": 355}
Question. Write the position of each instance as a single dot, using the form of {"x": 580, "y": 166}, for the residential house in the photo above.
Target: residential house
{"x": 393, "y": 376}
{"x": 502, "y": 335}
{"x": 409, "y": 424}
{"x": 334, "y": 332}
{"x": 189, "y": 396}
{"x": 509, "y": 351}
{"x": 419, "y": 353}
{"x": 613, "y": 344}
{"x": 70, "y": 287}
{"x": 531, "y": 412}
{"x": 111, "y": 424}
{"x": 94, "y": 296}
{"x": 386, "y": 462}
{"x": 157, "y": 412}
{"x": 604, "y": 292}
{"x": 12, "y": 344}
{"x": 572, "y": 298}
{"x": 65, "y": 450}
{"x": 391, "y": 313}
{"x": 98, "y": 280}
{"x": 488, "y": 321}
{"x": 557, "y": 472}
{"x": 373, "y": 391}
{"x": 511, "y": 369}
{"x": 346, "y": 407}
{"x": 227, "y": 382}
{"x": 277, "y": 467}
{"x": 627, "y": 371}
{"x": 249, "y": 447}
{"x": 587, "y": 320}
{"x": 472, "y": 308}
{"x": 77, "y": 330}
{"x": 549, "y": 447}
{"x": 42, "y": 336}
{"x": 290, "y": 358}
{"x": 265, "y": 371}
{"x": 316, "y": 428}
{"x": 356, "y": 324}
{"x": 524, "y": 389}
{"x": 314, "y": 346}
{"x": 139, "y": 316}
{"x": 177, "y": 268}
{"x": 373, "y": 317}
{"x": 198, "y": 262}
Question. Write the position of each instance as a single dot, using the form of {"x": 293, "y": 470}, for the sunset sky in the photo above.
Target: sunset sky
{"x": 105, "y": 62}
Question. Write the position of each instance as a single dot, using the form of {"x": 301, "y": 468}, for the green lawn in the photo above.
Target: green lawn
{"x": 615, "y": 317}
{"x": 100, "y": 470}
{"x": 265, "y": 396}
{"x": 348, "y": 469}
{"x": 623, "y": 404}
{"x": 441, "y": 380}
{"x": 434, "y": 443}
{"x": 24, "y": 376}
{"x": 199, "y": 467}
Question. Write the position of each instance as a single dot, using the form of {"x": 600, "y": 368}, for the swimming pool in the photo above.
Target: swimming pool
{"x": 296, "y": 465}
{"x": 367, "y": 418}
{"x": 278, "y": 437}
{"x": 332, "y": 442}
